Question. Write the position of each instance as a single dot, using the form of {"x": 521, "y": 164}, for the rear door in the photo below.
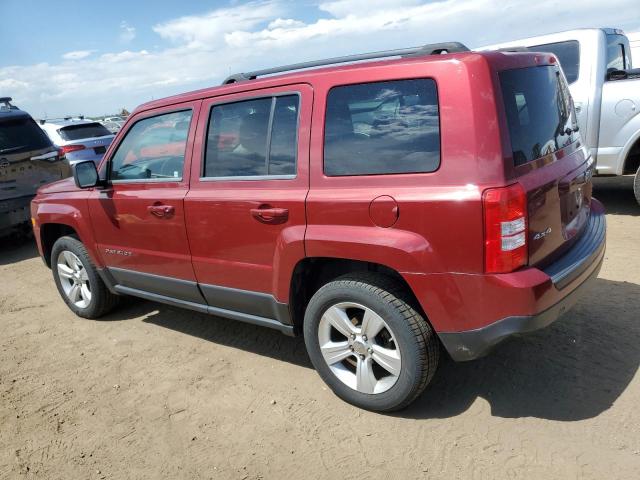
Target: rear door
{"x": 139, "y": 220}
{"x": 548, "y": 158}
{"x": 245, "y": 210}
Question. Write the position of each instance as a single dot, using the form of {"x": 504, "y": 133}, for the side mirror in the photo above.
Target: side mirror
{"x": 85, "y": 174}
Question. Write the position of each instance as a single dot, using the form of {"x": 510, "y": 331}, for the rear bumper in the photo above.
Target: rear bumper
{"x": 14, "y": 212}
{"x": 569, "y": 276}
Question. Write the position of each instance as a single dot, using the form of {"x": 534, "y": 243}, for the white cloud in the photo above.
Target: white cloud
{"x": 127, "y": 32}
{"x": 77, "y": 54}
{"x": 200, "y": 50}
{"x": 208, "y": 30}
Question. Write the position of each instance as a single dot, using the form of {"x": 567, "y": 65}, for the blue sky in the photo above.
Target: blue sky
{"x": 71, "y": 56}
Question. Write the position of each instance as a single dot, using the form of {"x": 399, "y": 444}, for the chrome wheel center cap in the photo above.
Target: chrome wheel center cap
{"x": 359, "y": 347}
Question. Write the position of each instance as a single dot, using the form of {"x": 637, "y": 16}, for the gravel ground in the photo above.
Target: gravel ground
{"x": 156, "y": 392}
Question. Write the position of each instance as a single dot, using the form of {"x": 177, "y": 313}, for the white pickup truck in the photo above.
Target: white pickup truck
{"x": 606, "y": 93}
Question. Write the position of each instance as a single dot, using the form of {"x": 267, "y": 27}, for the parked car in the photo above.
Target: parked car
{"x": 28, "y": 160}
{"x": 607, "y": 100}
{"x": 382, "y": 209}
{"x": 113, "y": 127}
{"x": 79, "y": 139}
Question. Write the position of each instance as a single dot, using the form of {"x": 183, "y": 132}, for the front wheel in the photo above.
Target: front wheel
{"x": 368, "y": 343}
{"x": 78, "y": 281}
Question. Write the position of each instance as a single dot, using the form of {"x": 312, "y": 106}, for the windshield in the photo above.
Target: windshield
{"x": 83, "y": 130}
{"x": 539, "y": 111}
{"x": 21, "y": 134}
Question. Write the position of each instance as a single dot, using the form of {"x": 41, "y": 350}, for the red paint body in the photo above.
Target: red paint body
{"x": 434, "y": 235}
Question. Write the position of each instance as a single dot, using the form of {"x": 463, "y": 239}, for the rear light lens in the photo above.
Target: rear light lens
{"x": 505, "y": 228}
{"x": 71, "y": 148}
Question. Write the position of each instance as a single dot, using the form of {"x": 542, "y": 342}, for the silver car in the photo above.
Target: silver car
{"x": 79, "y": 139}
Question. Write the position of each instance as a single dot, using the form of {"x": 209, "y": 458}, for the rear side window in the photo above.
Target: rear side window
{"x": 153, "y": 149}
{"x": 382, "y": 128}
{"x": 617, "y": 57}
{"x": 21, "y": 133}
{"x": 539, "y": 111}
{"x": 568, "y": 54}
{"x": 83, "y": 130}
{"x": 253, "y": 138}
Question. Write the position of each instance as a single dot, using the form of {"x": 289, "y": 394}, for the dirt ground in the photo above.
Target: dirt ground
{"x": 156, "y": 392}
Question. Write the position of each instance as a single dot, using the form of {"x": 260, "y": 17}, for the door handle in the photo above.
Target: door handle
{"x": 270, "y": 215}
{"x": 161, "y": 210}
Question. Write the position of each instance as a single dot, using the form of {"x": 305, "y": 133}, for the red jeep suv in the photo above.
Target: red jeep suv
{"x": 387, "y": 209}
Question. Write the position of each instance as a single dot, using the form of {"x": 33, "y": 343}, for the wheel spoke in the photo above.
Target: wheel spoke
{"x": 334, "y": 352}
{"x": 387, "y": 359}
{"x": 64, "y": 271}
{"x": 85, "y": 293}
{"x": 372, "y": 323}
{"x": 84, "y": 276}
{"x": 340, "y": 321}
{"x": 74, "y": 293}
{"x": 70, "y": 258}
{"x": 365, "y": 380}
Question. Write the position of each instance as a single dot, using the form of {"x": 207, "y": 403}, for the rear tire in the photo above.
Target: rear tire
{"x": 78, "y": 281}
{"x": 636, "y": 186}
{"x": 384, "y": 373}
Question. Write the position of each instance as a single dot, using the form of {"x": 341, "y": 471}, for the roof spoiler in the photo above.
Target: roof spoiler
{"x": 431, "y": 49}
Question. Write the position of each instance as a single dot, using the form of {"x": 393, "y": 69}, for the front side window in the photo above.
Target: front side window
{"x": 568, "y": 54}
{"x": 539, "y": 111}
{"x": 253, "y": 138}
{"x": 382, "y": 128}
{"x": 153, "y": 148}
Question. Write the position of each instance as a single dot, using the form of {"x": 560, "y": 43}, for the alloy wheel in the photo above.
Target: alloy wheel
{"x": 74, "y": 279}
{"x": 359, "y": 347}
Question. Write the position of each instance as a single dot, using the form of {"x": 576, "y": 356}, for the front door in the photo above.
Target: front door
{"x": 139, "y": 220}
{"x": 245, "y": 211}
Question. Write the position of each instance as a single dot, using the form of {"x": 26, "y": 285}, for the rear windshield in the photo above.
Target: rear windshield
{"x": 21, "y": 134}
{"x": 83, "y": 130}
{"x": 568, "y": 54}
{"x": 539, "y": 111}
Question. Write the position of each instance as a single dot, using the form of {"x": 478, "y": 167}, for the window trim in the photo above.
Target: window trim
{"x": 258, "y": 96}
{"x": 150, "y": 180}
{"x": 324, "y": 129}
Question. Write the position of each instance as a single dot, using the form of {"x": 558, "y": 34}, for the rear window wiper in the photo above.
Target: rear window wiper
{"x": 11, "y": 149}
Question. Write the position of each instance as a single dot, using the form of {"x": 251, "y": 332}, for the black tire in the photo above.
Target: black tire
{"x": 414, "y": 337}
{"x": 102, "y": 300}
{"x": 636, "y": 186}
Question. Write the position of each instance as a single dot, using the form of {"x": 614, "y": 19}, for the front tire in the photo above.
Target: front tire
{"x": 368, "y": 342}
{"x": 78, "y": 281}
{"x": 636, "y": 185}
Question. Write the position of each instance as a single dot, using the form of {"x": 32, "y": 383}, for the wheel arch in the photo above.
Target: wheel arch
{"x": 311, "y": 273}
{"x": 632, "y": 156}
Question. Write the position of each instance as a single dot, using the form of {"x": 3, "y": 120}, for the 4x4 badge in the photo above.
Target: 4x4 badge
{"x": 540, "y": 235}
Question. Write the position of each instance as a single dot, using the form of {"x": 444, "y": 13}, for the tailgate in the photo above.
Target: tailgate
{"x": 549, "y": 161}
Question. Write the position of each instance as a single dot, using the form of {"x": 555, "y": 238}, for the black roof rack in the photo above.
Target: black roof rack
{"x": 431, "y": 49}
{"x": 5, "y": 104}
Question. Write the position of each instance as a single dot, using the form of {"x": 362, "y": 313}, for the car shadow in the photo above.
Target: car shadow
{"x": 16, "y": 248}
{"x": 259, "y": 340}
{"x": 573, "y": 370}
{"x": 616, "y": 194}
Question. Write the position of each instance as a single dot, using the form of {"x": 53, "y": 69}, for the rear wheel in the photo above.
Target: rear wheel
{"x": 368, "y": 343}
{"x": 78, "y": 281}
{"x": 636, "y": 185}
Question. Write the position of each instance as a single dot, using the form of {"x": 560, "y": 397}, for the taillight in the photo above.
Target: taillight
{"x": 71, "y": 148}
{"x": 505, "y": 228}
